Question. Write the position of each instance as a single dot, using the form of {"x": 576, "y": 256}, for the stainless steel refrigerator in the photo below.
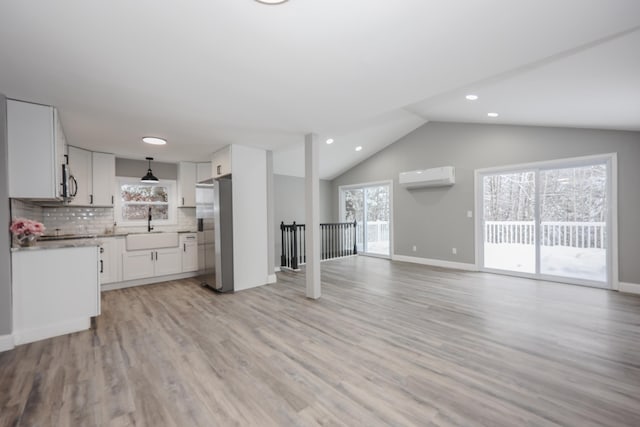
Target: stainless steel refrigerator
{"x": 214, "y": 211}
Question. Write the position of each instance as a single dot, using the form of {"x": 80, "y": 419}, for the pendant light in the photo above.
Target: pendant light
{"x": 149, "y": 178}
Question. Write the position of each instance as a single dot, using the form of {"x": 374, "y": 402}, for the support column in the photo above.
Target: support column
{"x": 271, "y": 275}
{"x": 312, "y": 214}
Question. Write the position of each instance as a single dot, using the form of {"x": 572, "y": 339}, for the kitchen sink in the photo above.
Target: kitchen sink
{"x": 141, "y": 241}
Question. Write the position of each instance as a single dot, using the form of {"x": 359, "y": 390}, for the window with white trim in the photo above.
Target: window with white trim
{"x": 135, "y": 198}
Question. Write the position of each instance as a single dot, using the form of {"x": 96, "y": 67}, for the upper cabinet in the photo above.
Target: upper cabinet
{"x": 36, "y": 146}
{"x": 80, "y": 167}
{"x": 221, "y": 162}
{"x": 95, "y": 177}
{"x": 104, "y": 178}
{"x": 187, "y": 184}
{"x": 203, "y": 171}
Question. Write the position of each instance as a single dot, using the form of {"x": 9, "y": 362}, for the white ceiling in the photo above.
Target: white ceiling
{"x": 204, "y": 74}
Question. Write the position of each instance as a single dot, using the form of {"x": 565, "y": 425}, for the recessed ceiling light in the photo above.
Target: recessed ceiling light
{"x": 359, "y": 148}
{"x": 492, "y": 114}
{"x": 154, "y": 141}
{"x": 330, "y": 141}
{"x": 471, "y": 97}
{"x": 271, "y": 1}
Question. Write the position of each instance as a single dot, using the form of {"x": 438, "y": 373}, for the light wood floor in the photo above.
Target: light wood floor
{"x": 388, "y": 344}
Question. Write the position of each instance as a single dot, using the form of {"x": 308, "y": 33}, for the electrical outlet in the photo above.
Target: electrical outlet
{"x": 469, "y": 214}
{"x": 454, "y": 251}
{"x": 415, "y": 248}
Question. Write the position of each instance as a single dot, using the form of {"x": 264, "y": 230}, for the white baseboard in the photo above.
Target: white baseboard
{"x": 435, "y": 262}
{"x": 277, "y": 269}
{"x": 272, "y": 278}
{"x": 630, "y": 288}
{"x": 50, "y": 331}
{"x": 6, "y": 343}
{"x": 147, "y": 281}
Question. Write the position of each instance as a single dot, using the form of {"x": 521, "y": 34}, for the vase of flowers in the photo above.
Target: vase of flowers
{"x": 26, "y": 231}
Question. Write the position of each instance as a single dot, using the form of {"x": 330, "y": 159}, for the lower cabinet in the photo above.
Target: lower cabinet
{"x": 110, "y": 250}
{"x": 149, "y": 263}
{"x": 189, "y": 244}
{"x": 168, "y": 261}
{"x": 55, "y": 291}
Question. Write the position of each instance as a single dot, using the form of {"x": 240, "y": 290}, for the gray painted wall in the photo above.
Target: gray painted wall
{"x": 289, "y": 204}
{"x": 138, "y": 168}
{"x": 5, "y": 218}
{"x": 434, "y": 219}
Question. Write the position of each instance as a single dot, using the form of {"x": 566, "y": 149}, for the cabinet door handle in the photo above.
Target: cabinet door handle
{"x": 185, "y": 247}
{"x": 183, "y": 201}
{"x": 101, "y": 266}
{"x": 111, "y": 199}
{"x": 90, "y": 199}
{"x": 219, "y": 169}
{"x": 151, "y": 256}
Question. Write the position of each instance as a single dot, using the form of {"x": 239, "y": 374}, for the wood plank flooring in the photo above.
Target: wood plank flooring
{"x": 388, "y": 344}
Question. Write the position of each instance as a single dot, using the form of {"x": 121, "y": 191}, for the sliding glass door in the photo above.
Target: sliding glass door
{"x": 370, "y": 207}
{"x": 573, "y": 215}
{"x": 551, "y": 221}
{"x": 509, "y": 214}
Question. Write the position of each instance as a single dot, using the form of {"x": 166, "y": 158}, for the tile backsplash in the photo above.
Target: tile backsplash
{"x": 20, "y": 209}
{"x": 89, "y": 220}
{"x": 78, "y": 220}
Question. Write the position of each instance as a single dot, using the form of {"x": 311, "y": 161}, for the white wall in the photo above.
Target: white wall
{"x": 435, "y": 220}
{"x": 5, "y": 241}
{"x": 250, "y": 241}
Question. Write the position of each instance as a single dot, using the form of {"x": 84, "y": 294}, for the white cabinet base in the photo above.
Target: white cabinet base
{"x": 61, "y": 328}
{"x": 147, "y": 281}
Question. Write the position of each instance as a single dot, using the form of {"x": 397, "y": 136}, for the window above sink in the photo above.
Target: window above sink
{"x": 134, "y": 199}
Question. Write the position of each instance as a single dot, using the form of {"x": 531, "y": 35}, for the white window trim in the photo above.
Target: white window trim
{"x": 611, "y": 159}
{"x": 173, "y": 206}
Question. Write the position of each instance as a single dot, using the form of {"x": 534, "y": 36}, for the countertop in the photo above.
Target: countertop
{"x": 51, "y": 238}
{"x": 78, "y": 240}
{"x": 57, "y": 245}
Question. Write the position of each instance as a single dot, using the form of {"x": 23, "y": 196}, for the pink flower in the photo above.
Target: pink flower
{"x": 26, "y": 226}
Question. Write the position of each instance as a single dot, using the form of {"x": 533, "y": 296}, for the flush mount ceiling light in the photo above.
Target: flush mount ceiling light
{"x": 492, "y": 114}
{"x": 359, "y": 148}
{"x": 471, "y": 97}
{"x": 154, "y": 140}
{"x": 330, "y": 141}
{"x": 271, "y": 1}
{"x": 149, "y": 178}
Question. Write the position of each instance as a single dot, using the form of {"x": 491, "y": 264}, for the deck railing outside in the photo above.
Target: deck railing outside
{"x": 552, "y": 233}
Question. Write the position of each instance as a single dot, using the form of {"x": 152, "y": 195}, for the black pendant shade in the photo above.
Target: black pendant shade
{"x": 149, "y": 177}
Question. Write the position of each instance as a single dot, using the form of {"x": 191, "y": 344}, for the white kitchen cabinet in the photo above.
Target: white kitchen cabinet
{"x": 168, "y": 261}
{"x": 57, "y": 297}
{"x": 80, "y": 166}
{"x": 110, "y": 250}
{"x": 221, "y": 162}
{"x": 36, "y": 149}
{"x": 203, "y": 171}
{"x": 151, "y": 262}
{"x": 138, "y": 264}
{"x": 95, "y": 174}
{"x": 103, "y": 178}
{"x": 189, "y": 244}
{"x": 187, "y": 184}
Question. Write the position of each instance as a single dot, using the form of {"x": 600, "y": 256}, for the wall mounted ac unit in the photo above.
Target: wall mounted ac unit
{"x": 436, "y": 177}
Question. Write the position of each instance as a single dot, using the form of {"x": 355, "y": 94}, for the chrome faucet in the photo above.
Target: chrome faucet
{"x": 149, "y": 218}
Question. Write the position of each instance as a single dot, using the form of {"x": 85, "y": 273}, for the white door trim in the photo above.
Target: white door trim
{"x": 389, "y": 183}
{"x": 611, "y": 159}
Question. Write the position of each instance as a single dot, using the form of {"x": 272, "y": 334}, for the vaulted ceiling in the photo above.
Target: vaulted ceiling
{"x": 204, "y": 74}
